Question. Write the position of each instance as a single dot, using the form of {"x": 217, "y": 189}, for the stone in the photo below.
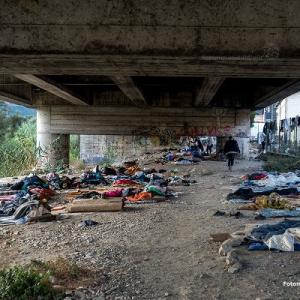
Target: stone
{"x": 232, "y": 258}
{"x": 229, "y": 244}
{"x": 234, "y": 268}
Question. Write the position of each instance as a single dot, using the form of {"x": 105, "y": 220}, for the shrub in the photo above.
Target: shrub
{"x": 278, "y": 163}
{"x": 18, "y": 153}
{"x": 26, "y": 284}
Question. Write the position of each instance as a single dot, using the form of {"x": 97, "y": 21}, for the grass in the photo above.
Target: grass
{"x": 43, "y": 280}
{"x": 26, "y": 283}
{"x": 18, "y": 152}
{"x": 65, "y": 273}
{"x": 279, "y": 163}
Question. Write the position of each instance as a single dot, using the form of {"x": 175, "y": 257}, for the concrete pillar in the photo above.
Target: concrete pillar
{"x": 244, "y": 146}
{"x": 53, "y": 149}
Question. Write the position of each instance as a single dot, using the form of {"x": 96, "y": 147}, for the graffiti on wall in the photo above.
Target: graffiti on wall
{"x": 165, "y": 136}
{"x": 158, "y": 136}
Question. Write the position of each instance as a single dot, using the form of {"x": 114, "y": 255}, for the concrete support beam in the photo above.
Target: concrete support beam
{"x": 280, "y": 93}
{"x": 208, "y": 90}
{"x": 12, "y": 98}
{"x": 129, "y": 88}
{"x": 156, "y": 65}
{"x": 53, "y": 149}
{"x": 52, "y": 87}
{"x": 149, "y": 122}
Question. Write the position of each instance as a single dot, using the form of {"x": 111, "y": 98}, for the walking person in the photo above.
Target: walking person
{"x": 231, "y": 148}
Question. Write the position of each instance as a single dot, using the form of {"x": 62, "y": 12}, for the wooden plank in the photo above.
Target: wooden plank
{"x": 129, "y": 88}
{"x": 99, "y": 205}
{"x": 280, "y": 93}
{"x": 52, "y": 87}
{"x": 208, "y": 90}
{"x": 9, "y": 97}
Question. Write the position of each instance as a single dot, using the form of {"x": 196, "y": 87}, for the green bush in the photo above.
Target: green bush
{"x": 18, "y": 153}
{"x": 282, "y": 164}
{"x": 74, "y": 148}
{"x": 26, "y": 284}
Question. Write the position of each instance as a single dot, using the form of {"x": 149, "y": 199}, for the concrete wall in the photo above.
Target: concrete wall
{"x": 93, "y": 148}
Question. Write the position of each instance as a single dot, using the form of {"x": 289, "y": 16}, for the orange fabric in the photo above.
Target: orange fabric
{"x": 140, "y": 196}
{"x": 132, "y": 170}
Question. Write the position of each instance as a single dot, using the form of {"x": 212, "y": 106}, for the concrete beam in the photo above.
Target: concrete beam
{"x": 12, "y": 98}
{"x": 207, "y": 91}
{"x": 141, "y": 65}
{"x": 52, "y": 87}
{"x": 280, "y": 93}
{"x": 128, "y": 87}
{"x": 194, "y": 27}
{"x": 132, "y": 120}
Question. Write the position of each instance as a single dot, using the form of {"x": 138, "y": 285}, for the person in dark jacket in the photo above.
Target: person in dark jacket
{"x": 231, "y": 148}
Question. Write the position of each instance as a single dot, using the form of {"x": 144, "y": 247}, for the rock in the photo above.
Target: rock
{"x": 232, "y": 258}
{"x": 204, "y": 276}
{"x": 100, "y": 297}
{"x": 79, "y": 294}
{"x": 234, "y": 268}
{"x": 229, "y": 244}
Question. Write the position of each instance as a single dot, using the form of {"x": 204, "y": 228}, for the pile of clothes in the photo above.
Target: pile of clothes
{"x": 133, "y": 184}
{"x": 283, "y": 236}
{"x": 28, "y": 199}
{"x": 186, "y": 156}
{"x": 271, "y": 194}
{"x": 25, "y": 201}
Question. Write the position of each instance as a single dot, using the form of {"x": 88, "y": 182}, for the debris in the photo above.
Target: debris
{"x": 229, "y": 244}
{"x": 232, "y": 258}
{"x": 87, "y": 223}
{"x": 234, "y": 268}
{"x": 237, "y": 214}
{"x": 277, "y": 213}
{"x": 88, "y": 205}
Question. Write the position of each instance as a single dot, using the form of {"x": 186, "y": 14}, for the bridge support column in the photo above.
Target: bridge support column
{"x": 53, "y": 149}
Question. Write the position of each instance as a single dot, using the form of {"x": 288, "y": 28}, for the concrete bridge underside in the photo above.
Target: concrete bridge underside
{"x": 138, "y": 67}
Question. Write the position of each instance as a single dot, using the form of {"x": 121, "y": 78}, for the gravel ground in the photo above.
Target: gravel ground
{"x": 161, "y": 251}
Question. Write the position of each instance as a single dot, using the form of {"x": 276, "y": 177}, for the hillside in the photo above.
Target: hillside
{"x": 21, "y": 110}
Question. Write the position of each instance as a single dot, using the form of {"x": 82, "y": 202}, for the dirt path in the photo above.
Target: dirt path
{"x": 162, "y": 251}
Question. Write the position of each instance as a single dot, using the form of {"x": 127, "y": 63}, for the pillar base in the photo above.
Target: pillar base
{"x": 53, "y": 149}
